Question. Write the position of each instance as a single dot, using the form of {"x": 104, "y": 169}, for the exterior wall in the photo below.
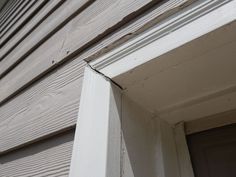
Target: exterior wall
{"x": 50, "y": 157}
{"x": 44, "y": 45}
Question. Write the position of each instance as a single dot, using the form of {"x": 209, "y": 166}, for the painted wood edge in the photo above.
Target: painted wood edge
{"x": 185, "y": 164}
{"x": 155, "y": 15}
{"x": 121, "y": 17}
{"x": 168, "y": 150}
{"x": 97, "y": 127}
{"x": 113, "y": 167}
{"x": 165, "y": 36}
{"x": 22, "y": 21}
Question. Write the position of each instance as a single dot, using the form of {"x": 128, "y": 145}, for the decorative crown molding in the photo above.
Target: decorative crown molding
{"x": 169, "y": 25}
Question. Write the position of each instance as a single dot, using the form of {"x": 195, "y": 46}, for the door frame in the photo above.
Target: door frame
{"x": 99, "y": 118}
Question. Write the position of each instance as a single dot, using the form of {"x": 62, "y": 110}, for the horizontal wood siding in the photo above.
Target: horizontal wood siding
{"x": 71, "y": 38}
{"x": 11, "y": 11}
{"x": 29, "y": 69}
{"x": 16, "y": 18}
{"x": 5, "y": 5}
{"x": 46, "y": 29}
{"x": 12, "y": 30}
{"x": 50, "y": 105}
{"x": 87, "y": 29}
{"x": 29, "y": 27}
{"x": 43, "y": 48}
{"x": 49, "y": 158}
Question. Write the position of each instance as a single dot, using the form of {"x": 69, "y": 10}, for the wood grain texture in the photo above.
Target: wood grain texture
{"x": 49, "y": 158}
{"x": 5, "y": 7}
{"x": 46, "y": 29}
{"x": 93, "y": 24}
{"x": 29, "y": 27}
{"x": 29, "y": 69}
{"x": 17, "y": 12}
{"x": 154, "y": 16}
{"x": 48, "y": 106}
{"x": 85, "y": 23}
{"x": 21, "y": 21}
{"x": 10, "y": 11}
{"x": 18, "y": 17}
{"x": 43, "y": 111}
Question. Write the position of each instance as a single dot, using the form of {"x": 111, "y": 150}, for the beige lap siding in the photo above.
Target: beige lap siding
{"x": 50, "y": 157}
{"x": 48, "y": 106}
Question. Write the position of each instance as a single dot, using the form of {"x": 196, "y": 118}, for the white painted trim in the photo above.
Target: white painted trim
{"x": 96, "y": 151}
{"x": 185, "y": 165}
{"x": 198, "y": 19}
{"x": 210, "y": 122}
{"x": 97, "y": 146}
{"x": 168, "y": 147}
{"x": 197, "y": 100}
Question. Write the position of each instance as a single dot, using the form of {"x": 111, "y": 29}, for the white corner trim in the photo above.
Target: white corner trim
{"x": 188, "y": 24}
{"x": 96, "y": 149}
{"x": 185, "y": 165}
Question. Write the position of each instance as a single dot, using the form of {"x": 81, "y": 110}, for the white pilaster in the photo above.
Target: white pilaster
{"x": 96, "y": 151}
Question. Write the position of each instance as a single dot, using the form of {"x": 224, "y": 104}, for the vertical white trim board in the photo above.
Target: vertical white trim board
{"x": 185, "y": 165}
{"x": 96, "y": 151}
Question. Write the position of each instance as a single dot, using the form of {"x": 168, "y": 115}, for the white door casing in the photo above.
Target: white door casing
{"x": 98, "y": 147}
